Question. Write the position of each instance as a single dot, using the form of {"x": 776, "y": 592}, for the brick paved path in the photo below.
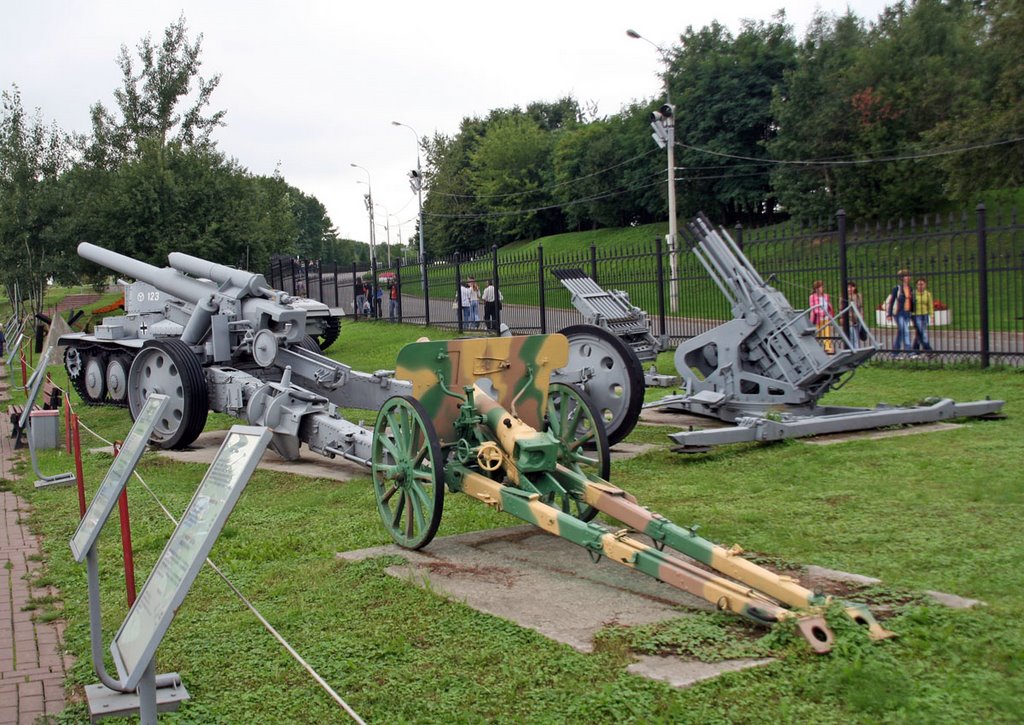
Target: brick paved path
{"x": 31, "y": 664}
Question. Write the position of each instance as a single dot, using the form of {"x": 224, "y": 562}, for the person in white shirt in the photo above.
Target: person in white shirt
{"x": 491, "y": 298}
{"x": 464, "y": 301}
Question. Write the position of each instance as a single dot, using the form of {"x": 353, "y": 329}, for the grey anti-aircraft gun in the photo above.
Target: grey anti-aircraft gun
{"x": 212, "y": 337}
{"x": 766, "y": 369}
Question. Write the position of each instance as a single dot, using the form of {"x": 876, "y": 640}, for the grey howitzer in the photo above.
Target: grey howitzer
{"x": 212, "y": 337}
{"x": 767, "y": 368}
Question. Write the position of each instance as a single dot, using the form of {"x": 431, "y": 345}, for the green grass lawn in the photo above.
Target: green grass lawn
{"x": 936, "y": 511}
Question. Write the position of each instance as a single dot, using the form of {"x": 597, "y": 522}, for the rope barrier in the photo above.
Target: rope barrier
{"x": 249, "y": 605}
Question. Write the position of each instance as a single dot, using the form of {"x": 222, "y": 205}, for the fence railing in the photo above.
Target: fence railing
{"x": 973, "y": 265}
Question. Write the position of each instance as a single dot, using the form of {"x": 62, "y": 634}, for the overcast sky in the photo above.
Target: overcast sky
{"x": 312, "y": 87}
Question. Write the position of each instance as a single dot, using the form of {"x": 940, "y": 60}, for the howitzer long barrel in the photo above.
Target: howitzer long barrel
{"x": 163, "y": 278}
{"x": 251, "y": 284}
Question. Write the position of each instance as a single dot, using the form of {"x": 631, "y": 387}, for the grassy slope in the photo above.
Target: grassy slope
{"x": 936, "y": 511}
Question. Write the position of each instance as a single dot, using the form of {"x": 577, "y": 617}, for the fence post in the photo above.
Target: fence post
{"x": 983, "y": 285}
{"x": 844, "y": 276}
{"x": 593, "y": 261}
{"x": 373, "y": 300}
{"x": 355, "y": 302}
{"x": 661, "y": 286}
{"x": 320, "y": 277}
{"x": 540, "y": 285}
{"x": 458, "y": 291}
{"x": 398, "y": 290}
{"x": 126, "y": 537}
{"x": 426, "y": 292}
{"x": 496, "y": 323}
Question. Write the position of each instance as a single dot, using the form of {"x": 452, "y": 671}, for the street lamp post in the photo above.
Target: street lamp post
{"x": 664, "y": 124}
{"x": 387, "y": 229}
{"x": 369, "y": 208}
{"x": 416, "y": 183}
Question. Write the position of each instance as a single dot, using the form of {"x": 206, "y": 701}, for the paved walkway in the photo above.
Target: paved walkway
{"x": 32, "y": 667}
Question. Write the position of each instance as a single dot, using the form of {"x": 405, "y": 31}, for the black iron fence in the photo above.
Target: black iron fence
{"x": 973, "y": 265}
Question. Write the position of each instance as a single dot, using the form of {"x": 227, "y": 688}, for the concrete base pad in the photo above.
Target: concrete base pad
{"x": 309, "y": 464}
{"x": 548, "y": 585}
{"x": 538, "y": 581}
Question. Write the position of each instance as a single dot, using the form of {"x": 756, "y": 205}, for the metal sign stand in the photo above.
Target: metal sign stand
{"x": 135, "y": 644}
{"x": 35, "y": 384}
{"x": 112, "y": 697}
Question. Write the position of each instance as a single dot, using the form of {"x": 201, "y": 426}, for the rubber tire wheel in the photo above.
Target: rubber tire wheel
{"x": 190, "y": 401}
{"x": 331, "y": 333}
{"x": 94, "y": 366}
{"x": 383, "y": 456}
{"x": 308, "y": 342}
{"x": 114, "y": 362}
{"x": 623, "y": 360}
{"x": 600, "y": 446}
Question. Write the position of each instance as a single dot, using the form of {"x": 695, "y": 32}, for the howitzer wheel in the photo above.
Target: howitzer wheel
{"x": 583, "y": 448}
{"x": 169, "y": 366}
{"x": 94, "y": 377}
{"x": 616, "y": 383}
{"x": 408, "y": 472}
{"x": 117, "y": 379}
{"x": 308, "y": 342}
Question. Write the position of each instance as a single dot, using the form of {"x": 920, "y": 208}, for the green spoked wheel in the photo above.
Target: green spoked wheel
{"x": 408, "y": 472}
{"x": 583, "y": 442}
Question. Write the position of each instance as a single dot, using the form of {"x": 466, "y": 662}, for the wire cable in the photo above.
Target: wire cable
{"x": 267, "y": 625}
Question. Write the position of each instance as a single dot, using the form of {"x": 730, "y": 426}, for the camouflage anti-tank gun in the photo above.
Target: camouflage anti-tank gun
{"x": 486, "y": 419}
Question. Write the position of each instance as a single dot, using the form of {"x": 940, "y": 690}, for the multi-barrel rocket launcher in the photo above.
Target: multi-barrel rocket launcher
{"x": 485, "y": 419}
{"x": 766, "y": 369}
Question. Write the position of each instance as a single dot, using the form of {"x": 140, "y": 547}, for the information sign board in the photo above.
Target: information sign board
{"x": 136, "y": 641}
{"x": 35, "y": 382}
{"x": 117, "y": 476}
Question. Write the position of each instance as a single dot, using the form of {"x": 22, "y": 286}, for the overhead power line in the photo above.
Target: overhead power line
{"x": 855, "y": 162}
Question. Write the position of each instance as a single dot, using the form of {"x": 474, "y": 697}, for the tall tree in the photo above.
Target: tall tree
{"x": 722, "y": 87}
{"x": 32, "y": 157}
{"x": 511, "y": 172}
{"x": 162, "y": 97}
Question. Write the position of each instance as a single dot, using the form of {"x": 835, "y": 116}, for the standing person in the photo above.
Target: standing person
{"x": 855, "y": 315}
{"x": 464, "y": 301}
{"x": 820, "y": 313}
{"x": 360, "y": 291}
{"x": 378, "y": 302}
{"x": 474, "y": 303}
{"x": 393, "y": 296}
{"x": 924, "y": 308}
{"x": 490, "y": 298}
{"x": 3, "y": 341}
{"x": 900, "y": 306}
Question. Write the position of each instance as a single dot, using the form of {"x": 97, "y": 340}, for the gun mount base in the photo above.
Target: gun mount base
{"x": 821, "y": 420}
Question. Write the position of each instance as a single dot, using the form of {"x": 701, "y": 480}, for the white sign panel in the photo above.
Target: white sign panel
{"x": 186, "y": 551}
{"x": 117, "y": 476}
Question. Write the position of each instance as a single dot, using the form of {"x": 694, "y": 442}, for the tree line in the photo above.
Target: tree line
{"x": 918, "y": 110}
{"x": 148, "y": 179}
